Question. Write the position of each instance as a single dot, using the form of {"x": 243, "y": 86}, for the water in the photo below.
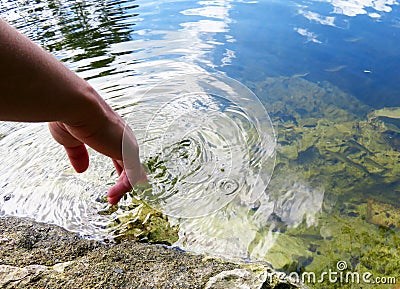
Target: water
{"x": 319, "y": 68}
{"x": 207, "y": 140}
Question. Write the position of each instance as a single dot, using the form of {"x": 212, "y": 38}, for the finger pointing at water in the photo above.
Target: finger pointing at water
{"x": 36, "y": 87}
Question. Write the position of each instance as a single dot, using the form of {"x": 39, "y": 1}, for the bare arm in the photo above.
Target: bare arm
{"x": 35, "y": 86}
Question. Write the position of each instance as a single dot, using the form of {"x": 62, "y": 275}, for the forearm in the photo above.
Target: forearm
{"x": 35, "y": 86}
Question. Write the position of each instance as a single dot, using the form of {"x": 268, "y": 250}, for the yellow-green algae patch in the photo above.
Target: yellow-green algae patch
{"x": 138, "y": 220}
{"x": 390, "y": 112}
{"x": 326, "y": 135}
{"x": 142, "y": 223}
{"x": 331, "y": 140}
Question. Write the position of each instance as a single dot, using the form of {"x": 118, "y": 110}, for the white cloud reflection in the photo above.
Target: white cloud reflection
{"x": 351, "y": 8}
{"x": 315, "y": 17}
{"x": 213, "y": 11}
{"x": 217, "y": 234}
{"x": 311, "y": 36}
{"x": 357, "y": 7}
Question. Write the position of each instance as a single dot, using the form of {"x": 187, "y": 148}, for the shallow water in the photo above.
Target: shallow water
{"x": 319, "y": 68}
{"x": 206, "y": 140}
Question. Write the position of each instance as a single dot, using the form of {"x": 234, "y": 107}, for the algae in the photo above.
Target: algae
{"x": 143, "y": 223}
{"x": 390, "y": 112}
{"x": 329, "y": 139}
{"x": 382, "y": 214}
{"x": 138, "y": 220}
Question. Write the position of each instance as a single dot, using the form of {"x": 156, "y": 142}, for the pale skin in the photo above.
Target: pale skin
{"x": 36, "y": 87}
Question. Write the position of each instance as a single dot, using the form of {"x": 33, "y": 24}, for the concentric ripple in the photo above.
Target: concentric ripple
{"x": 207, "y": 140}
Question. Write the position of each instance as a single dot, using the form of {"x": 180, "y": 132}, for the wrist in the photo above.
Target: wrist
{"x": 85, "y": 106}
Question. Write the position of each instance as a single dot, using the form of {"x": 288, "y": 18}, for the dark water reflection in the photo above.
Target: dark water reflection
{"x": 75, "y": 30}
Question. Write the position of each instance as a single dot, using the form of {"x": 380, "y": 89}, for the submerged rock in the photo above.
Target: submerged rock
{"x": 390, "y": 112}
{"x": 250, "y": 276}
{"x": 382, "y": 214}
{"x": 144, "y": 223}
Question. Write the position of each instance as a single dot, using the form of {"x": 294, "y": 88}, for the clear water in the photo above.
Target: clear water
{"x": 337, "y": 56}
{"x": 206, "y": 140}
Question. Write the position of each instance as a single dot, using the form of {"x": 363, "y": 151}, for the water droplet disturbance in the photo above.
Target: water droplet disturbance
{"x": 207, "y": 140}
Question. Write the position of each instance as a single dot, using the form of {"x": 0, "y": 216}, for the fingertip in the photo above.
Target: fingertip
{"x": 114, "y": 195}
{"x": 79, "y": 157}
{"x": 117, "y": 191}
{"x": 113, "y": 201}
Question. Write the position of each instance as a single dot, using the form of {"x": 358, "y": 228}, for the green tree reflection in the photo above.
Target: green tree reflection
{"x": 78, "y": 30}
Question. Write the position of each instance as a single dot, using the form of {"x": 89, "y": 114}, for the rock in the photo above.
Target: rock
{"x": 56, "y": 258}
{"x": 60, "y": 267}
{"x": 390, "y": 112}
{"x": 258, "y": 276}
{"x": 13, "y": 276}
{"x": 382, "y": 214}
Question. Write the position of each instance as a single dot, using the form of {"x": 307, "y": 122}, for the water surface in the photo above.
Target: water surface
{"x": 320, "y": 68}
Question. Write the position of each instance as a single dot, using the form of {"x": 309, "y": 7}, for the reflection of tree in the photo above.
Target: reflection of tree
{"x": 93, "y": 27}
{"x": 86, "y": 27}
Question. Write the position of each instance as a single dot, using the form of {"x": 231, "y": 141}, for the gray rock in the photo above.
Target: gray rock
{"x": 35, "y": 255}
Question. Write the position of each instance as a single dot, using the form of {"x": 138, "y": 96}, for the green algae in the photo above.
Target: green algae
{"x": 329, "y": 139}
{"x": 363, "y": 247}
{"x": 389, "y": 112}
{"x": 138, "y": 220}
{"x": 328, "y": 135}
{"x": 143, "y": 223}
{"x": 382, "y": 214}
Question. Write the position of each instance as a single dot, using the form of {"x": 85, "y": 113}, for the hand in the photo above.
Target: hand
{"x": 104, "y": 134}
{"x": 35, "y": 86}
